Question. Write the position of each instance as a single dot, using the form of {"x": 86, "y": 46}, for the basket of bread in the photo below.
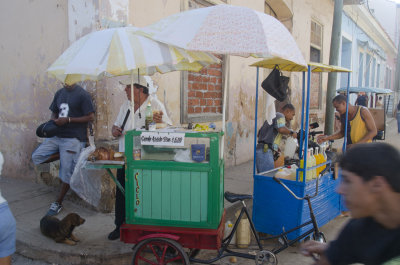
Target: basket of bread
{"x": 105, "y": 154}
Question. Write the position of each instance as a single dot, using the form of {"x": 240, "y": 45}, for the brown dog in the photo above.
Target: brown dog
{"x": 61, "y": 231}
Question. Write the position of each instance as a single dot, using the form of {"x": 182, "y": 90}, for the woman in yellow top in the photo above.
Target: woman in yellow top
{"x": 361, "y": 125}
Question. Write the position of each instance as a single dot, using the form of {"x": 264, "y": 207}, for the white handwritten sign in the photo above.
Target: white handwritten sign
{"x": 160, "y": 138}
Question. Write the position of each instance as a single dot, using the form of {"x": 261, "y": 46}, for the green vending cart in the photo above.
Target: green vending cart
{"x": 174, "y": 178}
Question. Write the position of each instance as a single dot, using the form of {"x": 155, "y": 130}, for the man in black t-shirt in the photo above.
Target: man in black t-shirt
{"x": 370, "y": 185}
{"x": 72, "y": 109}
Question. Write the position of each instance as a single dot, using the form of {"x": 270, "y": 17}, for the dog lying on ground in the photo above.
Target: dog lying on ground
{"x": 61, "y": 231}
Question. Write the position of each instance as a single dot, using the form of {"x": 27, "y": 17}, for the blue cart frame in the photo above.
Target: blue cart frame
{"x": 274, "y": 210}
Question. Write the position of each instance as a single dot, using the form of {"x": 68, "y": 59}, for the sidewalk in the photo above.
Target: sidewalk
{"x": 29, "y": 201}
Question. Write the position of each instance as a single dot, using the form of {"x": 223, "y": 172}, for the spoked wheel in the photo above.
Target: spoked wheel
{"x": 265, "y": 257}
{"x": 159, "y": 251}
{"x": 319, "y": 237}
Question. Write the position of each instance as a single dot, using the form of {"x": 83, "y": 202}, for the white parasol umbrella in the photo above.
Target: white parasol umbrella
{"x": 227, "y": 29}
{"x": 120, "y": 51}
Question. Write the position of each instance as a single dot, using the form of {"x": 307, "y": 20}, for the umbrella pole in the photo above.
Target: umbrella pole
{"x": 306, "y": 126}
{"x": 132, "y": 102}
{"x": 347, "y": 114}
{"x": 221, "y": 155}
{"x": 255, "y": 124}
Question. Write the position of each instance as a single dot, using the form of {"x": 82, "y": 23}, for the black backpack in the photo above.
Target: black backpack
{"x": 266, "y": 134}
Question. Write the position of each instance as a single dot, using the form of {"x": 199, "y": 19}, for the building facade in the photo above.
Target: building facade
{"x": 35, "y": 41}
{"x": 367, "y": 50}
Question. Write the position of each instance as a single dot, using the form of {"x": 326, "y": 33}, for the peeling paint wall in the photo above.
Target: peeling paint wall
{"x": 30, "y": 43}
{"x": 304, "y": 11}
{"x": 83, "y": 18}
{"x": 114, "y": 10}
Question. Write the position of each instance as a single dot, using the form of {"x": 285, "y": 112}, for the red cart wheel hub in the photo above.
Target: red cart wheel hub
{"x": 159, "y": 251}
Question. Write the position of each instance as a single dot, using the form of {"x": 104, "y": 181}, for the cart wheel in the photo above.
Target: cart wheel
{"x": 319, "y": 237}
{"x": 265, "y": 257}
{"x": 159, "y": 251}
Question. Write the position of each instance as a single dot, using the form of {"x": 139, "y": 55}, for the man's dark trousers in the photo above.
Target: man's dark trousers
{"x": 120, "y": 199}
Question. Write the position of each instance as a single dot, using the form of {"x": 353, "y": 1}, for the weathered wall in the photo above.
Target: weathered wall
{"x": 31, "y": 40}
{"x": 304, "y": 12}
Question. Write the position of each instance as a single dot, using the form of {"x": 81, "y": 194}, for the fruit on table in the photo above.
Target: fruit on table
{"x": 200, "y": 127}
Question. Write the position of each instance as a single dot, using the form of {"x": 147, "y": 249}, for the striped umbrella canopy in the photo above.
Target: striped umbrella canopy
{"x": 227, "y": 29}
{"x": 121, "y": 51}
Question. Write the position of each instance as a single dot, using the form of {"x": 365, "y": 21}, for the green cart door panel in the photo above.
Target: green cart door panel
{"x": 166, "y": 196}
{"x": 170, "y": 193}
{"x": 175, "y": 194}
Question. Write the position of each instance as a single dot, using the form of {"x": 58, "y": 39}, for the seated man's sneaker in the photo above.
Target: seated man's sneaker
{"x": 114, "y": 234}
{"x": 55, "y": 208}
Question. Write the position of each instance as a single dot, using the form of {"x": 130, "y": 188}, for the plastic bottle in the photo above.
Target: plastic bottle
{"x": 317, "y": 159}
{"x": 283, "y": 173}
{"x": 313, "y": 163}
{"x": 301, "y": 167}
{"x": 228, "y": 230}
{"x": 243, "y": 234}
{"x": 293, "y": 169}
{"x": 149, "y": 116}
{"x": 308, "y": 172}
{"x": 290, "y": 147}
{"x": 321, "y": 160}
{"x": 323, "y": 156}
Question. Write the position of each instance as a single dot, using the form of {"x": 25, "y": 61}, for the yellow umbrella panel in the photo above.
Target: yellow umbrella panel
{"x": 286, "y": 65}
{"x": 120, "y": 51}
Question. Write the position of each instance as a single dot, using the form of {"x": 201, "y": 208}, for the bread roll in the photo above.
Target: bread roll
{"x": 119, "y": 156}
{"x": 103, "y": 154}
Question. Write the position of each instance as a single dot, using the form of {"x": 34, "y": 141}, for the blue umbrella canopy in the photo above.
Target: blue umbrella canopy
{"x": 356, "y": 89}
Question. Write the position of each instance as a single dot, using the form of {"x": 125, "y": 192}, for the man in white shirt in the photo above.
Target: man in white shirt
{"x": 141, "y": 98}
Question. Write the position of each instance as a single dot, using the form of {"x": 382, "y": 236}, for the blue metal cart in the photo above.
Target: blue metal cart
{"x": 274, "y": 209}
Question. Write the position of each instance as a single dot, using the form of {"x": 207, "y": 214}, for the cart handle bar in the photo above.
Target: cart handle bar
{"x": 307, "y": 196}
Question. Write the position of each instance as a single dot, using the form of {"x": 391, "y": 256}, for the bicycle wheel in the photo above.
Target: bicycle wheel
{"x": 159, "y": 251}
{"x": 265, "y": 257}
{"x": 319, "y": 237}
